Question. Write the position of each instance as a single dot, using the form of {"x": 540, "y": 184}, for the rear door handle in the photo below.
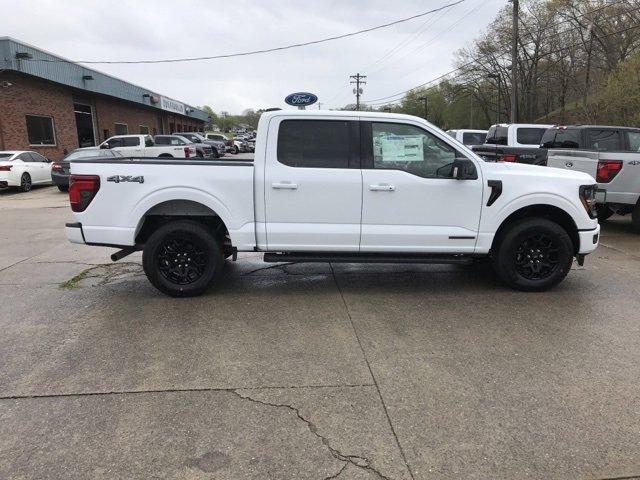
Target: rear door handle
{"x": 285, "y": 186}
{"x": 382, "y": 188}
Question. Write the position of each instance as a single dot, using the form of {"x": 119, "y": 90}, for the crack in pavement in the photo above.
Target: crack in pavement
{"x": 336, "y": 475}
{"x": 355, "y": 460}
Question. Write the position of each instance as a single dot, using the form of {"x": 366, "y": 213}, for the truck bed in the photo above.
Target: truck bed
{"x": 131, "y": 187}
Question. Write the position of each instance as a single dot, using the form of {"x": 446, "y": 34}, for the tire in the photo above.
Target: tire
{"x": 179, "y": 241}
{"x": 236, "y": 150}
{"x": 25, "y": 182}
{"x": 604, "y": 212}
{"x": 63, "y": 188}
{"x": 199, "y": 155}
{"x": 635, "y": 217}
{"x": 533, "y": 255}
{"x": 215, "y": 153}
{"x": 165, "y": 155}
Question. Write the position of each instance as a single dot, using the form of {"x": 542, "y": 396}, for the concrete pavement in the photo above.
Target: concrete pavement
{"x": 311, "y": 371}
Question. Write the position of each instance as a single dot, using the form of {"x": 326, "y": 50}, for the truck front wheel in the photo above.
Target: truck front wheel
{"x": 182, "y": 258}
{"x": 533, "y": 255}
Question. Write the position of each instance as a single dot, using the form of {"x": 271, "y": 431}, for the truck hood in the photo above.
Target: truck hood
{"x": 541, "y": 172}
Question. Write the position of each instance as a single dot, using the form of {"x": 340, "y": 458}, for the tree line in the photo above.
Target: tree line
{"x": 578, "y": 62}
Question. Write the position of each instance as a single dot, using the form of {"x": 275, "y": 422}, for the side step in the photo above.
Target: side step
{"x": 313, "y": 257}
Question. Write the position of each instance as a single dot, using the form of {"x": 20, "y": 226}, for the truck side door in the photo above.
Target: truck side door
{"x": 411, "y": 203}
{"x": 313, "y": 184}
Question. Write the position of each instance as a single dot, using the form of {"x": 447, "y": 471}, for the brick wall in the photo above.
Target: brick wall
{"x": 28, "y": 95}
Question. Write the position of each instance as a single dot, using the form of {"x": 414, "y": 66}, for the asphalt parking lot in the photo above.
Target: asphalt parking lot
{"x": 311, "y": 371}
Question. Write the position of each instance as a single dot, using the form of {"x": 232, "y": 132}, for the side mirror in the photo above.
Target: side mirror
{"x": 104, "y": 146}
{"x": 464, "y": 169}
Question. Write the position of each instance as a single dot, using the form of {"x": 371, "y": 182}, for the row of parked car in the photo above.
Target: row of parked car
{"x": 610, "y": 154}
{"x": 23, "y": 169}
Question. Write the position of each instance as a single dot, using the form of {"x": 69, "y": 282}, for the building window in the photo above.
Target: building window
{"x": 121, "y": 129}
{"x": 144, "y": 130}
{"x": 40, "y": 130}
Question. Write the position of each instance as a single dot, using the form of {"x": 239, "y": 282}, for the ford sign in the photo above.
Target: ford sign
{"x": 301, "y": 99}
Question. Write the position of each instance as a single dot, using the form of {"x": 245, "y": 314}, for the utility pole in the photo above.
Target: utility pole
{"x": 358, "y": 80}
{"x": 514, "y": 62}
{"x": 426, "y": 105}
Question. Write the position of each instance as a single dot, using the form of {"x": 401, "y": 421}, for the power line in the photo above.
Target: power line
{"x": 560, "y": 50}
{"x": 375, "y": 100}
{"x": 256, "y": 52}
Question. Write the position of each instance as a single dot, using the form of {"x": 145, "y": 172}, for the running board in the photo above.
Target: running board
{"x": 311, "y": 257}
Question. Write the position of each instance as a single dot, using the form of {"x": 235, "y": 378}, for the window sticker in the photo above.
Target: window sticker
{"x": 402, "y": 148}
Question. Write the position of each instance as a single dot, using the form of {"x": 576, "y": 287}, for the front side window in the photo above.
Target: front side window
{"x": 40, "y": 130}
{"x": 529, "y": 136}
{"x": 121, "y": 129}
{"x": 314, "y": 143}
{"x": 410, "y": 149}
{"x": 604, "y": 140}
{"x": 114, "y": 142}
{"x": 161, "y": 140}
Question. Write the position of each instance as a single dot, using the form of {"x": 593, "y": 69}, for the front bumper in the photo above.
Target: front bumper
{"x": 589, "y": 240}
{"x": 74, "y": 232}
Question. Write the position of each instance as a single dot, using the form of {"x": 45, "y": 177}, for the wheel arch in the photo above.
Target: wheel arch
{"x": 540, "y": 210}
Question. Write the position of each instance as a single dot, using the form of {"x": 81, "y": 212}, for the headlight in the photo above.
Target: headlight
{"x": 588, "y": 199}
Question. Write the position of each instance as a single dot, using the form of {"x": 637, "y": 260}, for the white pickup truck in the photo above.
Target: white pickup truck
{"x": 144, "y": 146}
{"x": 336, "y": 187}
{"x": 611, "y": 155}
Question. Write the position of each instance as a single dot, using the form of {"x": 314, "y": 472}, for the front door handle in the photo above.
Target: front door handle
{"x": 382, "y": 187}
{"x": 285, "y": 186}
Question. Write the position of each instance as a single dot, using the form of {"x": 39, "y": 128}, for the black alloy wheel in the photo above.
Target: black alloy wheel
{"x": 180, "y": 259}
{"x": 537, "y": 257}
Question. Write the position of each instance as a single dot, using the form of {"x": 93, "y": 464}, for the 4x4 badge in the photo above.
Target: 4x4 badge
{"x": 125, "y": 178}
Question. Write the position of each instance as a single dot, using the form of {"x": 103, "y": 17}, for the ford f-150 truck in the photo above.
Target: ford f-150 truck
{"x": 609, "y": 154}
{"x": 516, "y": 142}
{"x": 336, "y": 187}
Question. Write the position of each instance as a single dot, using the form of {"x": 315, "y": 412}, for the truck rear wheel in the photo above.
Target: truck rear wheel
{"x": 533, "y": 255}
{"x": 182, "y": 258}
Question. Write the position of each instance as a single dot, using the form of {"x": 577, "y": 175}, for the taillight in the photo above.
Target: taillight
{"x": 187, "y": 152}
{"x": 508, "y": 157}
{"x": 5, "y": 168}
{"x": 56, "y": 167}
{"x": 607, "y": 170}
{"x": 82, "y": 189}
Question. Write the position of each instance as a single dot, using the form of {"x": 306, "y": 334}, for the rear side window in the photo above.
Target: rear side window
{"x": 634, "y": 141}
{"x": 473, "y": 138}
{"x": 314, "y": 143}
{"x": 498, "y": 135}
{"x": 561, "y": 138}
{"x": 604, "y": 140}
{"x": 530, "y": 136}
{"x": 130, "y": 142}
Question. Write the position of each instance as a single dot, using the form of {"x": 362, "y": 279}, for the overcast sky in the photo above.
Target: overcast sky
{"x": 141, "y": 29}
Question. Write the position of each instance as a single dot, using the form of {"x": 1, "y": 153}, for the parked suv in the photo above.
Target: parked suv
{"x": 205, "y": 148}
{"x": 230, "y": 145}
{"x": 609, "y": 154}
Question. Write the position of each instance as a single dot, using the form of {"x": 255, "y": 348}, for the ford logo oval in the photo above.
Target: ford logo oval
{"x": 569, "y": 164}
{"x": 301, "y": 99}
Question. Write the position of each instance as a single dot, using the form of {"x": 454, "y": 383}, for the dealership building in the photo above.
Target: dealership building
{"x": 51, "y": 105}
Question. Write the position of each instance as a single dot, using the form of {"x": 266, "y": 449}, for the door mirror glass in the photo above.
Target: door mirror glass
{"x": 104, "y": 145}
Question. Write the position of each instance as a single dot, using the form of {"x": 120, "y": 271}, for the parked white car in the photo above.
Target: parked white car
{"x": 144, "y": 146}
{"x": 468, "y": 136}
{"x": 22, "y": 169}
{"x": 329, "y": 186}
